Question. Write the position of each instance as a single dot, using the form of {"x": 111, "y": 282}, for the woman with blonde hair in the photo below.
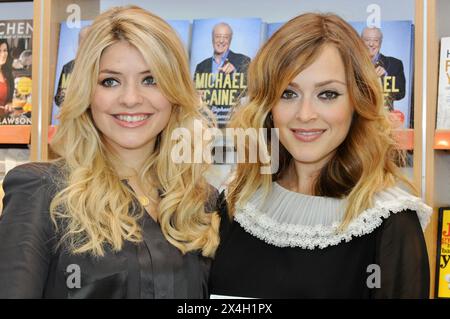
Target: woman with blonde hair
{"x": 114, "y": 216}
{"x": 331, "y": 222}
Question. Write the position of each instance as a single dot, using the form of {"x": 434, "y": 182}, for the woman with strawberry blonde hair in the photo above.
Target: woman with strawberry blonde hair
{"x": 331, "y": 222}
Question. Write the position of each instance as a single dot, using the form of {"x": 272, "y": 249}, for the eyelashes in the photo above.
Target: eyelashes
{"x": 327, "y": 95}
{"x": 112, "y": 82}
{"x": 149, "y": 80}
{"x": 289, "y": 94}
{"x": 109, "y": 82}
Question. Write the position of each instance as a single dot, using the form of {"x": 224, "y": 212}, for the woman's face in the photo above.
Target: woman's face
{"x": 128, "y": 107}
{"x": 3, "y": 53}
{"x": 314, "y": 113}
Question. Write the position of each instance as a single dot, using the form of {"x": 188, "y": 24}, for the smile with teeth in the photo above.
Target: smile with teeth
{"x": 132, "y": 118}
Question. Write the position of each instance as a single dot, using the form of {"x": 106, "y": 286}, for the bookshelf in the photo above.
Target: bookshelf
{"x": 431, "y": 157}
{"x": 437, "y": 173}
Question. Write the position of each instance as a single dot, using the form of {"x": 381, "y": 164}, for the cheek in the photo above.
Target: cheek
{"x": 99, "y": 105}
{"x": 340, "y": 119}
{"x": 282, "y": 115}
{"x": 101, "y": 99}
{"x": 164, "y": 109}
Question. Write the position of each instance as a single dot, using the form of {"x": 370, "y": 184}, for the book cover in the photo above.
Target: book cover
{"x": 442, "y": 287}
{"x": 394, "y": 61}
{"x": 443, "y": 108}
{"x": 272, "y": 28}
{"x": 16, "y": 41}
{"x": 69, "y": 38}
{"x": 221, "y": 51}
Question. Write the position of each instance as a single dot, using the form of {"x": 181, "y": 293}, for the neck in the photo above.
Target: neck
{"x": 301, "y": 177}
{"x": 130, "y": 162}
{"x": 218, "y": 57}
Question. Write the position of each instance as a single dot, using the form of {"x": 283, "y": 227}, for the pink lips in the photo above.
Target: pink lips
{"x": 131, "y": 120}
{"x": 309, "y": 135}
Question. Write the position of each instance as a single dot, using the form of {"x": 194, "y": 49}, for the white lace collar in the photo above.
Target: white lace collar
{"x": 290, "y": 219}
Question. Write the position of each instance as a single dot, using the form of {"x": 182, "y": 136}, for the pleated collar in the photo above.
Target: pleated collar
{"x": 289, "y": 219}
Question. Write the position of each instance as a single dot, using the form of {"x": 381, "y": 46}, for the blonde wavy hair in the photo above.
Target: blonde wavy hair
{"x": 93, "y": 205}
{"x": 365, "y": 162}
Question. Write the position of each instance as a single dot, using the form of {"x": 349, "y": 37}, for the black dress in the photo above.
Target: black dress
{"x": 31, "y": 265}
{"x": 382, "y": 256}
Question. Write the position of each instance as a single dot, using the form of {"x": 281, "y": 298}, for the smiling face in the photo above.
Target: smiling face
{"x": 314, "y": 113}
{"x": 221, "y": 39}
{"x": 372, "y": 40}
{"x": 3, "y": 53}
{"x": 128, "y": 108}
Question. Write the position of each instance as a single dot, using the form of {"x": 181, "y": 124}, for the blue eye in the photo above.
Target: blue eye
{"x": 329, "y": 95}
{"x": 288, "y": 94}
{"x": 149, "y": 80}
{"x": 109, "y": 82}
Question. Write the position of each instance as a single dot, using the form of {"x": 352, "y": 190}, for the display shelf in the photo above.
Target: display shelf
{"x": 442, "y": 140}
{"x": 437, "y": 191}
{"x": 15, "y": 134}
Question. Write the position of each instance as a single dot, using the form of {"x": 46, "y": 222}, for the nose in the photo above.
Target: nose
{"x": 131, "y": 96}
{"x": 306, "y": 111}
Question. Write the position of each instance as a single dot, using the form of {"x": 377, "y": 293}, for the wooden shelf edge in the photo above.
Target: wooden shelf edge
{"x": 15, "y": 134}
{"x": 404, "y": 138}
{"x": 441, "y": 140}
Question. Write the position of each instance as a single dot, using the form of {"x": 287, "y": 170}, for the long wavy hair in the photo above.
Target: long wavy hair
{"x": 93, "y": 206}
{"x": 365, "y": 162}
{"x": 6, "y": 70}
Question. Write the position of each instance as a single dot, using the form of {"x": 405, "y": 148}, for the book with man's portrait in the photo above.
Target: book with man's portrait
{"x": 221, "y": 51}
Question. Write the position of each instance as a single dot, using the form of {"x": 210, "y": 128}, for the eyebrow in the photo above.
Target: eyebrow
{"x": 118, "y": 73}
{"x": 319, "y": 84}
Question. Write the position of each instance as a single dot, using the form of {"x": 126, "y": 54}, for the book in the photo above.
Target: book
{"x": 442, "y": 286}
{"x": 272, "y": 28}
{"x": 16, "y": 42}
{"x": 396, "y": 57}
{"x": 443, "y": 107}
{"x": 67, "y": 50}
{"x": 221, "y": 83}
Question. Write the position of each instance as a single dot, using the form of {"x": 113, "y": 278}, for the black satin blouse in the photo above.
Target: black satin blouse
{"x": 32, "y": 266}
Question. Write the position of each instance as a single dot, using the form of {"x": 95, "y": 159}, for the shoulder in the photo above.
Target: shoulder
{"x": 204, "y": 63}
{"x": 391, "y": 60}
{"x": 396, "y": 205}
{"x": 405, "y": 222}
{"x": 238, "y": 56}
{"x": 69, "y": 66}
{"x": 30, "y": 177}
